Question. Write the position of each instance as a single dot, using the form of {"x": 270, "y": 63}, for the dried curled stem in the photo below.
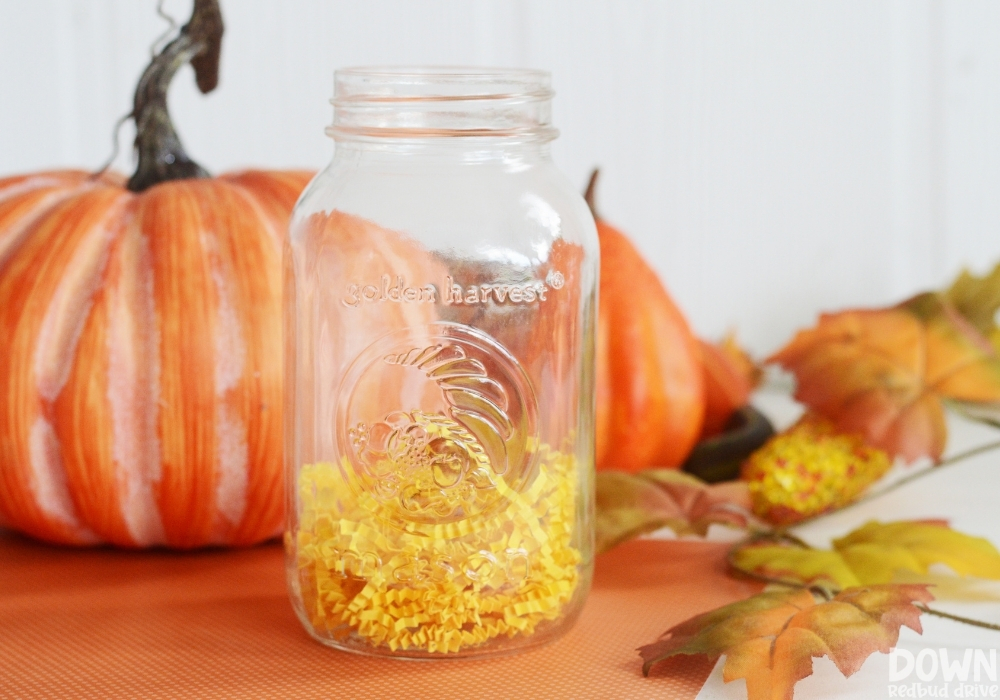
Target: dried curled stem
{"x": 160, "y": 153}
{"x": 909, "y": 478}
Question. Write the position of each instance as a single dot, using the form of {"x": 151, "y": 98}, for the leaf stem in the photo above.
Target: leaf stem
{"x": 973, "y": 412}
{"x": 954, "y": 459}
{"x": 959, "y": 618}
{"x": 829, "y": 593}
{"x": 783, "y": 534}
{"x": 871, "y": 496}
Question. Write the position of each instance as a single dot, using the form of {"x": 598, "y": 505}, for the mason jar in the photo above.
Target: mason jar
{"x": 440, "y": 298}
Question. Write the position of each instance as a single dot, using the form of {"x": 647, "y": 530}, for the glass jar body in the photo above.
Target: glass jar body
{"x": 440, "y": 301}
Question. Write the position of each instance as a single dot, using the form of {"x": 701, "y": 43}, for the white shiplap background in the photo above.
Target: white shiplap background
{"x": 772, "y": 159}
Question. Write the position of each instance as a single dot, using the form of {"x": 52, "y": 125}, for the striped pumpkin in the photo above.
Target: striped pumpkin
{"x": 140, "y": 358}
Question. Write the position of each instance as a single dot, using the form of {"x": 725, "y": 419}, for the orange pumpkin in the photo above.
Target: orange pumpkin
{"x": 727, "y": 388}
{"x": 140, "y": 331}
{"x": 650, "y": 389}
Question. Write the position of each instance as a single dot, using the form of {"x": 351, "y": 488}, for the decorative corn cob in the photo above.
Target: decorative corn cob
{"x": 809, "y": 469}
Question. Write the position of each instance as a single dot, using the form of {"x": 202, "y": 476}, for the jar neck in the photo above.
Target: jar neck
{"x": 499, "y": 151}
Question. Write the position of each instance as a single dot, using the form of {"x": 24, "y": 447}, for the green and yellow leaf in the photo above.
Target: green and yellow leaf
{"x": 794, "y": 564}
{"x": 875, "y": 553}
{"x": 978, "y": 300}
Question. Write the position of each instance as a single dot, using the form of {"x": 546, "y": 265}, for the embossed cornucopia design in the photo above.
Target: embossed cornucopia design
{"x": 446, "y": 524}
{"x": 438, "y": 465}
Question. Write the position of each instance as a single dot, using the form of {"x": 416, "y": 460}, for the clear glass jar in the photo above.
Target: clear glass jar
{"x": 440, "y": 301}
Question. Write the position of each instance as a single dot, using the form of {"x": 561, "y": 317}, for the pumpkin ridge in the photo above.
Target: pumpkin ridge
{"x": 232, "y": 356}
{"x": 34, "y": 278}
{"x": 257, "y": 400}
{"x": 269, "y": 222}
{"x": 171, "y": 218}
{"x": 110, "y": 402}
{"x": 272, "y": 194}
{"x": 61, "y": 326}
{"x": 13, "y": 232}
{"x": 136, "y": 330}
{"x": 17, "y": 185}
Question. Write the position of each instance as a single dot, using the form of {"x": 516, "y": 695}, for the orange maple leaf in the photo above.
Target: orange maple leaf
{"x": 771, "y": 638}
{"x": 883, "y": 372}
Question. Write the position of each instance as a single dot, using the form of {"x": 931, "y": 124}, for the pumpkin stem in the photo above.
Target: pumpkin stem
{"x": 161, "y": 155}
{"x": 591, "y": 193}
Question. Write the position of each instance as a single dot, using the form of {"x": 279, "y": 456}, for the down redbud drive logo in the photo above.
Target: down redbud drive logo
{"x": 943, "y": 673}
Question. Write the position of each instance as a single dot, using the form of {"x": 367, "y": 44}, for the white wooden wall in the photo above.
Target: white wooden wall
{"x": 773, "y": 159}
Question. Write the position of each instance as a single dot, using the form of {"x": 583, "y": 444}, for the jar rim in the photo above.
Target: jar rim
{"x": 420, "y": 102}
{"x": 389, "y": 83}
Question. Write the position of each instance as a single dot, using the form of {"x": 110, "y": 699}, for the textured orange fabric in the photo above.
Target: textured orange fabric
{"x": 217, "y": 624}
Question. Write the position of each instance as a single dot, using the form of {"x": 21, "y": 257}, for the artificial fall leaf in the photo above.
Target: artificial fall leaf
{"x": 978, "y": 300}
{"x": 771, "y": 638}
{"x": 629, "y": 505}
{"x": 883, "y": 372}
{"x": 795, "y": 564}
{"x": 874, "y": 553}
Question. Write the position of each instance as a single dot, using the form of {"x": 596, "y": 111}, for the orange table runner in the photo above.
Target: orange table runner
{"x": 106, "y": 624}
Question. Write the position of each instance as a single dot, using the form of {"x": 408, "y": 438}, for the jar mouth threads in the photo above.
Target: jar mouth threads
{"x": 442, "y": 101}
{"x": 402, "y": 83}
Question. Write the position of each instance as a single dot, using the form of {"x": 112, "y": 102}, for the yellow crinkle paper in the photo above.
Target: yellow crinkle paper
{"x": 437, "y": 588}
{"x": 809, "y": 469}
